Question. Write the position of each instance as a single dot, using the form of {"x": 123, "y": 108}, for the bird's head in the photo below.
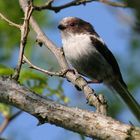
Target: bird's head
{"x": 74, "y": 25}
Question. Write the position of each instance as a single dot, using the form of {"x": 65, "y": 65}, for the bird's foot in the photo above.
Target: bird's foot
{"x": 74, "y": 71}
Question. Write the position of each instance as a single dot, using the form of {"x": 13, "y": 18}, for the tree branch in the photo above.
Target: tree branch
{"x": 9, "y": 22}
{"x": 24, "y": 33}
{"x": 77, "y": 80}
{"x": 32, "y": 66}
{"x": 46, "y": 111}
{"x": 56, "y": 9}
{"x": 112, "y": 3}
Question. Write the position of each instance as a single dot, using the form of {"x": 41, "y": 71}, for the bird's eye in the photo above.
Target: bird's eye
{"x": 72, "y": 24}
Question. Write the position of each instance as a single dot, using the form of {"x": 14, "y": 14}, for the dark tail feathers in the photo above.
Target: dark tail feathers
{"x": 128, "y": 98}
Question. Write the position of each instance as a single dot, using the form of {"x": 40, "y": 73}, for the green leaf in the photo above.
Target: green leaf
{"x": 5, "y": 70}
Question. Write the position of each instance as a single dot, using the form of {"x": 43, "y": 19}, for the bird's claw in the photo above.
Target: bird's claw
{"x": 74, "y": 71}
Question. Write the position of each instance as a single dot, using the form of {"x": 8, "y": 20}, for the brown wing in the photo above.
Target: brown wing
{"x": 107, "y": 54}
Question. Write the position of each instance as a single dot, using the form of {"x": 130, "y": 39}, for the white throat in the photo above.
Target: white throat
{"x": 76, "y": 45}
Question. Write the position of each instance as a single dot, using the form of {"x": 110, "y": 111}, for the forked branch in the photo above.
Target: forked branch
{"x": 24, "y": 33}
{"x": 49, "y": 4}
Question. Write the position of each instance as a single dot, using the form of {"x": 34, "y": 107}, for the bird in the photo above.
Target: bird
{"x": 86, "y": 51}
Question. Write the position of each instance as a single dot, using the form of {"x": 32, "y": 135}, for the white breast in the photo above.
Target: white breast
{"x": 77, "y": 45}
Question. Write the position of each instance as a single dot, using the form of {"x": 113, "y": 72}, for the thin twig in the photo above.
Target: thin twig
{"x": 24, "y": 34}
{"x": 112, "y": 3}
{"x": 9, "y": 22}
{"x": 58, "y": 8}
{"x": 76, "y": 3}
{"x": 42, "y": 70}
{"x": 4, "y": 124}
{"x": 8, "y": 120}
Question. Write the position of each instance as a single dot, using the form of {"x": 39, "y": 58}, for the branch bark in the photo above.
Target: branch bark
{"x": 56, "y": 9}
{"x": 24, "y": 34}
{"x": 46, "y": 111}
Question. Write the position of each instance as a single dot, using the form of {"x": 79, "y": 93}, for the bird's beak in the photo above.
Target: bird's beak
{"x": 61, "y": 27}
